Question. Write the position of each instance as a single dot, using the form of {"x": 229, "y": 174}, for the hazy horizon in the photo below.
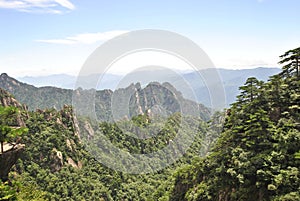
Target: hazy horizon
{"x": 75, "y": 74}
{"x": 43, "y": 37}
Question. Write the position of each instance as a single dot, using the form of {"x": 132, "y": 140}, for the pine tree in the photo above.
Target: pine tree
{"x": 291, "y": 61}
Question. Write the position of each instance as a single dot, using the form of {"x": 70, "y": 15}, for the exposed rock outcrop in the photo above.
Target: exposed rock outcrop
{"x": 74, "y": 164}
{"x": 57, "y": 160}
{"x": 7, "y": 99}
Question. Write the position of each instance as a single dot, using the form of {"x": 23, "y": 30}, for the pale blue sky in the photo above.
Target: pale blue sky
{"x": 56, "y": 36}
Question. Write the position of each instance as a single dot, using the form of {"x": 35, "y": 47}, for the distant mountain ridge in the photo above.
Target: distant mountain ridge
{"x": 231, "y": 80}
{"x": 56, "y": 80}
{"x": 153, "y": 99}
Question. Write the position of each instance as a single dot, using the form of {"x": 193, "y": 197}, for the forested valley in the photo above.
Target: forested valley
{"x": 250, "y": 151}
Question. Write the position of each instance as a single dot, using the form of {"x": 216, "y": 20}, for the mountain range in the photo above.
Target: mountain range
{"x": 190, "y": 84}
{"x": 106, "y": 105}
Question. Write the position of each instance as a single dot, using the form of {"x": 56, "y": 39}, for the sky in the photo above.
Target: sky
{"x": 42, "y": 37}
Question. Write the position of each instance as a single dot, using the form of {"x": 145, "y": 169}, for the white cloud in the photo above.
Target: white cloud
{"x": 66, "y": 4}
{"x": 38, "y": 6}
{"x": 85, "y": 38}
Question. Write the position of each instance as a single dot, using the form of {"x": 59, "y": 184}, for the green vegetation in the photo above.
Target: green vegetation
{"x": 7, "y": 192}
{"x": 256, "y": 155}
{"x": 56, "y": 164}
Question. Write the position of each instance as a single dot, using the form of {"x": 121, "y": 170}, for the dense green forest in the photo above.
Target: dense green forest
{"x": 256, "y": 155}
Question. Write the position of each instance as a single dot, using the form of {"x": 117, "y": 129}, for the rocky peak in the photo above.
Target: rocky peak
{"x": 9, "y": 82}
{"x": 6, "y": 100}
{"x": 3, "y": 75}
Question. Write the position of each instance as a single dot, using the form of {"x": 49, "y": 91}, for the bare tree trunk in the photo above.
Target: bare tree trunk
{"x": 296, "y": 67}
{"x": 2, "y": 147}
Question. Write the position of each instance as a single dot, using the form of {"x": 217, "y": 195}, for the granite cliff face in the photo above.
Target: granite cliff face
{"x": 8, "y": 100}
{"x": 155, "y": 99}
